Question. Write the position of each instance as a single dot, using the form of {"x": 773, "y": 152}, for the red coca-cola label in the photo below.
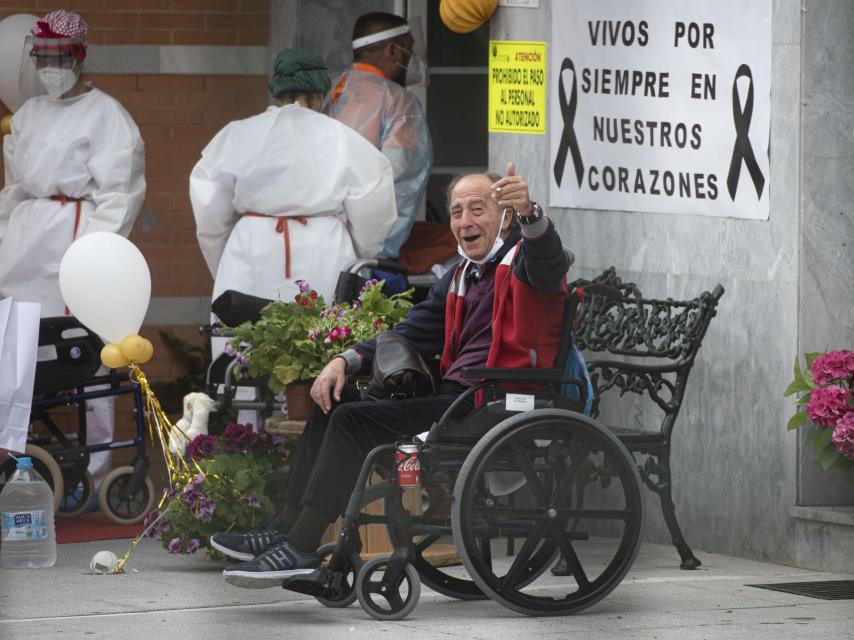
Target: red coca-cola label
{"x": 408, "y": 467}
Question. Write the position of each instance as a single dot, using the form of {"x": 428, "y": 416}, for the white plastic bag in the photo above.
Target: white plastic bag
{"x": 19, "y": 342}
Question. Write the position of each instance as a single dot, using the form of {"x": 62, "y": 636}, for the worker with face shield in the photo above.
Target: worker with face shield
{"x": 289, "y": 194}
{"x": 74, "y": 164}
{"x": 372, "y": 98}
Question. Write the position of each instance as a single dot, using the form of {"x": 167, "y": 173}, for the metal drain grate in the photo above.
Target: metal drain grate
{"x": 825, "y": 590}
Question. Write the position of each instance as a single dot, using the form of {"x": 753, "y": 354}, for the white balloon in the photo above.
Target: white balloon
{"x": 13, "y": 30}
{"x": 105, "y": 282}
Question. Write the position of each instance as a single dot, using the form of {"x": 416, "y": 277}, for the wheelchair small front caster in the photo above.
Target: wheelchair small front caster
{"x": 384, "y": 600}
{"x": 118, "y": 503}
{"x": 348, "y": 584}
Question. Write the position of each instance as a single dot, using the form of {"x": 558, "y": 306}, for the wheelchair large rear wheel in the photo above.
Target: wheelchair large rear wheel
{"x": 575, "y": 489}
{"x": 452, "y": 582}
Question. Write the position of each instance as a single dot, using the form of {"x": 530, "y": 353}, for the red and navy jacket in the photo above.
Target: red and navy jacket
{"x": 527, "y": 306}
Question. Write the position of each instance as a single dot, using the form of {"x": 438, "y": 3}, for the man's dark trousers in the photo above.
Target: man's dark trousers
{"x": 333, "y": 446}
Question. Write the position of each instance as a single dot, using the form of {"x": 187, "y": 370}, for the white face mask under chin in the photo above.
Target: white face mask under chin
{"x": 57, "y": 81}
{"x": 496, "y": 245}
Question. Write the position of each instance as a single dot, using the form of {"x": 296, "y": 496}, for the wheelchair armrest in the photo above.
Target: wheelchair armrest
{"x": 501, "y": 374}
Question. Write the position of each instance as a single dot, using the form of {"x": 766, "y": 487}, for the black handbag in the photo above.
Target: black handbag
{"x": 399, "y": 371}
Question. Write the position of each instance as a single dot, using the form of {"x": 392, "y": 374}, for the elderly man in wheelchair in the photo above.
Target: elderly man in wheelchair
{"x": 507, "y": 451}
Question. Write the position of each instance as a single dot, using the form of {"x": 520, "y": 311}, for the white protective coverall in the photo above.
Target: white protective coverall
{"x": 88, "y": 148}
{"x": 391, "y": 118}
{"x": 286, "y": 162}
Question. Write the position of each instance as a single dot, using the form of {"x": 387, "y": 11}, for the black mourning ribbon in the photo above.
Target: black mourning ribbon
{"x": 742, "y": 149}
{"x": 568, "y": 141}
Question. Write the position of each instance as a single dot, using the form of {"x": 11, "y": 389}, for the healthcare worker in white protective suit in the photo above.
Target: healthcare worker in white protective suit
{"x": 372, "y": 99}
{"x": 74, "y": 164}
{"x": 289, "y": 194}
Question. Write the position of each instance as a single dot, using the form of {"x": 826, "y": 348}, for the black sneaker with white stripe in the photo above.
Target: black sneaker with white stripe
{"x": 272, "y": 567}
{"x": 249, "y": 544}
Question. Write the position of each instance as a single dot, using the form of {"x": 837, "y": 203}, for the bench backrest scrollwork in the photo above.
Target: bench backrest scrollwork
{"x": 648, "y": 346}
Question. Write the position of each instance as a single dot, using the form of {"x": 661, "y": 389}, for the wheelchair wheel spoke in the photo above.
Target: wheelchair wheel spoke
{"x": 569, "y": 480}
{"x": 531, "y": 476}
{"x": 572, "y": 561}
{"x": 520, "y": 562}
{"x": 486, "y": 551}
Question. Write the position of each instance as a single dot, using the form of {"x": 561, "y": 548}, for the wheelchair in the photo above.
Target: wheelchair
{"x": 549, "y": 478}
{"x": 69, "y": 357}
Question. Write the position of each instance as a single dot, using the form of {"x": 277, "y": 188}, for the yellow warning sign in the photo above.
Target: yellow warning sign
{"x": 517, "y": 86}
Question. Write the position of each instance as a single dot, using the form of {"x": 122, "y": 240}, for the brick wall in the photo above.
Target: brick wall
{"x": 177, "y": 116}
{"x": 225, "y": 22}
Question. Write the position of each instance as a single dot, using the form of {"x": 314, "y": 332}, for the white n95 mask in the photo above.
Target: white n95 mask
{"x": 57, "y": 81}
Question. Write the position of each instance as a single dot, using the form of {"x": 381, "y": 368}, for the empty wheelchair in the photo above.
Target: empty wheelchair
{"x": 544, "y": 482}
{"x": 69, "y": 358}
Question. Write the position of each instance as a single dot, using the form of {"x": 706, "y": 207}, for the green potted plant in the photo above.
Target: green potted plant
{"x": 293, "y": 341}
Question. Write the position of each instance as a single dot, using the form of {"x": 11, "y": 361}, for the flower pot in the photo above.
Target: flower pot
{"x": 300, "y": 404}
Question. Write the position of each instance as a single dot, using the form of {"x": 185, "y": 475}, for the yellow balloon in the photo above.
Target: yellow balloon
{"x": 6, "y": 125}
{"x": 133, "y": 348}
{"x": 112, "y": 356}
{"x": 149, "y": 352}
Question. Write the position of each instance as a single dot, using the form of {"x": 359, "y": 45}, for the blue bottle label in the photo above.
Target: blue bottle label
{"x": 23, "y": 525}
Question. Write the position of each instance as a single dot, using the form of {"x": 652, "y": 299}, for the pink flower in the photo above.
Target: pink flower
{"x": 345, "y": 332}
{"x": 313, "y": 334}
{"x": 843, "y": 435}
{"x": 833, "y": 365}
{"x": 826, "y": 406}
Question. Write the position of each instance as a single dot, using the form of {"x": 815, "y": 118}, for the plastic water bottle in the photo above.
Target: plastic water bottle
{"x": 27, "y": 536}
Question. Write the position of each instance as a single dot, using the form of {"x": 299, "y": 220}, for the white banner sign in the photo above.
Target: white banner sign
{"x": 661, "y": 106}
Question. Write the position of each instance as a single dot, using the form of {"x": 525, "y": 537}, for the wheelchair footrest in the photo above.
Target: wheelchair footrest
{"x": 309, "y": 584}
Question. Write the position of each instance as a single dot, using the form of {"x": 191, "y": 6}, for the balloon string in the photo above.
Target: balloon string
{"x": 182, "y": 470}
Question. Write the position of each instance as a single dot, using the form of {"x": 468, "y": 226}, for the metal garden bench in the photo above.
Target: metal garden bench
{"x": 647, "y": 347}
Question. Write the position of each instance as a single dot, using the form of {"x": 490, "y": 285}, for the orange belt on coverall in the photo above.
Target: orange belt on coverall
{"x": 63, "y": 200}
{"x": 282, "y": 227}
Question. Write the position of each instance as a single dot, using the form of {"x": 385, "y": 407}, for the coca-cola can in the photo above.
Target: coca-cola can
{"x": 408, "y": 465}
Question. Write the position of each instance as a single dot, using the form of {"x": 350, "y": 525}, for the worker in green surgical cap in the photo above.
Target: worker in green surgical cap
{"x": 289, "y": 194}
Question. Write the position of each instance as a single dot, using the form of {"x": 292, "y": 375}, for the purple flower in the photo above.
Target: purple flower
{"x": 832, "y": 366}
{"x": 202, "y": 446}
{"x": 237, "y": 438}
{"x": 193, "y": 545}
{"x": 313, "y": 334}
{"x": 175, "y": 546}
{"x": 826, "y": 406}
{"x": 303, "y": 286}
{"x": 370, "y": 283}
{"x": 248, "y": 500}
{"x": 155, "y": 526}
{"x": 201, "y": 508}
{"x": 278, "y": 441}
{"x": 843, "y": 435}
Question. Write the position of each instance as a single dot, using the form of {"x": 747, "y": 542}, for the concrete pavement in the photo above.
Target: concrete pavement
{"x": 178, "y": 597}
